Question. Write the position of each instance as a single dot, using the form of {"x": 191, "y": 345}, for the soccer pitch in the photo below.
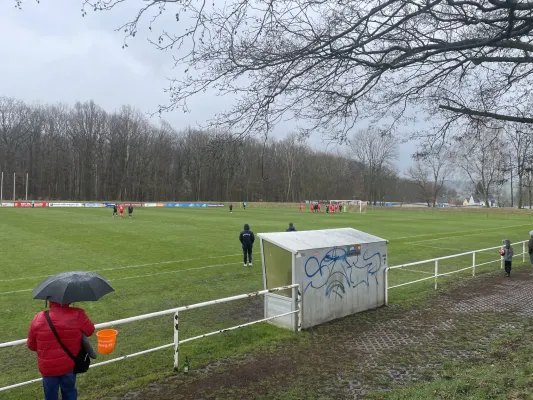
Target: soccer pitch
{"x": 164, "y": 258}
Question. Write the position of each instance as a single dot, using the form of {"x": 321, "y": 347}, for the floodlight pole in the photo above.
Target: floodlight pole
{"x": 2, "y": 187}
{"x": 26, "y": 186}
{"x": 14, "y": 186}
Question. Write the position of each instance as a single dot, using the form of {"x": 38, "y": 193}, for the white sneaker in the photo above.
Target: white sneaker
{"x": 249, "y": 264}
{"x": 245, "y": 264}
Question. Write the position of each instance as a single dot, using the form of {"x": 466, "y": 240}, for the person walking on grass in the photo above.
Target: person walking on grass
{"x": 507, "y": 253}
{"x": 55, "y": 365}
{"x": 247, "y": 239}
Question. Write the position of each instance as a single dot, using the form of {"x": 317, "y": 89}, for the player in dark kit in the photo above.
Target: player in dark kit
{"x": 115, "y": 211}
{"x": 247, "y": 239}
{"x": 231, "y": 208}
{"x": 130, "y": 211}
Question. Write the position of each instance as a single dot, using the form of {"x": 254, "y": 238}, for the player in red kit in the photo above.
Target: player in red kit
{"x": 300, "y": 206}
{"x": 121, "y": 210}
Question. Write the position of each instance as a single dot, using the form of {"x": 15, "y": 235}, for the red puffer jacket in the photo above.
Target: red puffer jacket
{"x": 69, "y": 322}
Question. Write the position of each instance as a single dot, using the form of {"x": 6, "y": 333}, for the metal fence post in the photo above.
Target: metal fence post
{"x": 436, "y": 272}
{"x": 524, "y": 252}
{"x": 501, "y": 262}
{"x": 387, "y": 286}
{"x": 176, "y": 341}
{"x": 474, "y": 263}
{"x": 299, "y": 307}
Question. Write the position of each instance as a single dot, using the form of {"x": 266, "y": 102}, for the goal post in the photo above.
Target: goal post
{"x": 352, "y": 205}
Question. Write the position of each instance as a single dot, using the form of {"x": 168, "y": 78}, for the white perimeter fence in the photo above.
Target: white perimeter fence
{"x": 296, "y": 294}
{"x": 176, "y": 342}
{"x": 436, "y": 273}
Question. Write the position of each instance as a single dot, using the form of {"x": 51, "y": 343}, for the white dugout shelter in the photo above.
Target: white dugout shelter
{"x": 340, "y": 272}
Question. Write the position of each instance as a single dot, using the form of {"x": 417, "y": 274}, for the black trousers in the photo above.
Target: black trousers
{"x": 507, "y": 265}
{"x": 247, "y": 252}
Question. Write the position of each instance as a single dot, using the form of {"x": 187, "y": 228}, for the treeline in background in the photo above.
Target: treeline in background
{"x": 85, "y": 153}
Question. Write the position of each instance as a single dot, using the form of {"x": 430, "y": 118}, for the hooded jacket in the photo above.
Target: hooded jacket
{"x": 508, "y": 255}
{"x": 291, "y": 228}
{"x": 70, "y": 323}
{"x": 247, "y": 237}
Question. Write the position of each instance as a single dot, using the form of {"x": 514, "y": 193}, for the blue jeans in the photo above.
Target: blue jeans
{"x": 67, "y": 383}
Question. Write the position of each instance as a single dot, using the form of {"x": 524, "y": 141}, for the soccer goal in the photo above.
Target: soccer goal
{"x": 352, "y": 205}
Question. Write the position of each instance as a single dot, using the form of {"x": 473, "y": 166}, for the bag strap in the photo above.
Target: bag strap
{"x": 46, "y": 313}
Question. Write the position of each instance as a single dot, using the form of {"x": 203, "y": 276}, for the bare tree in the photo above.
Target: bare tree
{"x": 521, "y": 145}
{"x": 432, "y": 167}
{"x": 376, "y": 150}
{"x": 330, "y": 63}
{"x": 481, "y": 156}
{"x": 419, "y": 175}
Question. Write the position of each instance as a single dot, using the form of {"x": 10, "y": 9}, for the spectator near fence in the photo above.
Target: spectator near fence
{"x": 530, "y": 248}
{"x": 55, "y": 365}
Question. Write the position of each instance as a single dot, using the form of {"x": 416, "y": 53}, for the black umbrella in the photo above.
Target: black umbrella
{"x": 73, "y": 287}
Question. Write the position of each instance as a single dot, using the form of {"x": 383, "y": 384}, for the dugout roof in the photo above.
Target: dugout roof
{"x": 319, "y": 239}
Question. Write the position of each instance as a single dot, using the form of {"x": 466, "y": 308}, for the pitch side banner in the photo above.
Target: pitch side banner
{"x": 133, "y": 204}
{"x": 215, "y": 205}
{"x": 186, "y": 205}
{"x": 28, "y": 204}
{"x": 150, "y": 204}
{"x": 7, "y": 204}
{"x": 94, "y": 205}
{"x": 66, "y": 204}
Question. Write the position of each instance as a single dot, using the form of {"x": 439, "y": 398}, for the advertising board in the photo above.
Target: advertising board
{"x": 94, "y": 205}
{"x": 65, "y": 204}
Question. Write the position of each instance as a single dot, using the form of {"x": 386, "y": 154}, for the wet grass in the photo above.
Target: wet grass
{"x": 164, "y": 258}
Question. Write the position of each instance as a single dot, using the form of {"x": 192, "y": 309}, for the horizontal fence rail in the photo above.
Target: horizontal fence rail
{"x": 436, "y": 260}
{"x": 176, "y": 342}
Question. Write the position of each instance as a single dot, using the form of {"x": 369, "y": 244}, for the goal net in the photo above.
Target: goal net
{"x": 352, "y": 205}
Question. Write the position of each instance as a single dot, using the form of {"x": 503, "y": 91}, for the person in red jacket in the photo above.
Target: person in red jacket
{"x": 121, "y": 210}
{"x": 55, "y": 366}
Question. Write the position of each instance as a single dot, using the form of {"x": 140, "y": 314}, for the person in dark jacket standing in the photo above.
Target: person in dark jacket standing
{"x": 291, "y": 228}
{"x": 507, "y": 255}
{"x": 247, "y": 239}
{"x": 530, "y": 248}
{"x": 231, "y": 208}
{"x": 55, "y": 366}
{"x": 130, "y": 211}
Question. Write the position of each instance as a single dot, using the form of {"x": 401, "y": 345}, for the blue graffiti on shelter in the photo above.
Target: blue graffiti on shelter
{"x": 333, "y": 273}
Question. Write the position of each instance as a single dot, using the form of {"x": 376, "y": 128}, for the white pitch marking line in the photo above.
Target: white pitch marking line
{"x": 125, "y": 267}
{"x": 144, "y": 275}
{"x": 468, "y": 233}
{"x": 435, "y": 247}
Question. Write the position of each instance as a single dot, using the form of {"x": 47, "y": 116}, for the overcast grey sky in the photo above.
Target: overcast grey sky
{"x": 50, "y": 53}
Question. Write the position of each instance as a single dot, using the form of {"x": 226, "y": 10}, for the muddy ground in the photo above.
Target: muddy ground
{"x": 370, "y": 352}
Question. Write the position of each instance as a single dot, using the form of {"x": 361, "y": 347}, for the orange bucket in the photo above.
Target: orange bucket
{"x": 106, "y": 340}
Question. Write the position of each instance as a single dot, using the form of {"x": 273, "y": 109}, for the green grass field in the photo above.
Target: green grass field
{"x": 165, "y": 258}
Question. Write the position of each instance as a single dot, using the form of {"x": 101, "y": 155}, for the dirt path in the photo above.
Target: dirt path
{"x": 372, "y": 351}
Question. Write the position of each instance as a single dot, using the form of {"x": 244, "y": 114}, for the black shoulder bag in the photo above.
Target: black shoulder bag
{"x": 81, "y": 361}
